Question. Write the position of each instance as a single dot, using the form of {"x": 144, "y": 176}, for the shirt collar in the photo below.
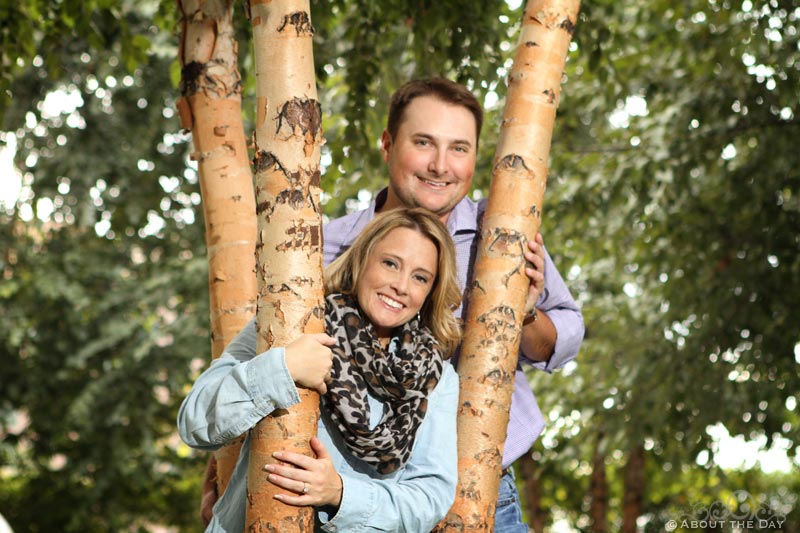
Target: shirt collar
{"x": 463, "y": 218}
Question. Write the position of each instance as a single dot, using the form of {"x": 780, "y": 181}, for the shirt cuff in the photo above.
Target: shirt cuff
{"x": 270, "y": 384}
{"x": 567, "y": 341}
{"x": 356, "y": 507}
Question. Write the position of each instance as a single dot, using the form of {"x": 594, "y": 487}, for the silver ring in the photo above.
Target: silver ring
{"x": 305, "y": 487}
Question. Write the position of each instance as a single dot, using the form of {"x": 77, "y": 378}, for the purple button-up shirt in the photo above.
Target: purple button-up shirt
{"x": 526, "y": 421}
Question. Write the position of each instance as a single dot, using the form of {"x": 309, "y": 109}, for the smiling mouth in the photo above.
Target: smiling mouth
{"x": 394, "y": 304}
{"x": 436, "y": 184}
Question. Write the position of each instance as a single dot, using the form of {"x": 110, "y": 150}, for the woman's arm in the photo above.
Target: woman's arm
{"x": 420, "y": 497}
{"x": 235, "y": 392}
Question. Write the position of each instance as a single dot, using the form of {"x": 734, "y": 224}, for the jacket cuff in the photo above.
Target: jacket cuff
{"x": 270, "y": 384}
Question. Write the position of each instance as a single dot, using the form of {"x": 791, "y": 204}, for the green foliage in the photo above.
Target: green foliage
{"x": 91, "y": 364}
{"x": 56, "y": 37}
{"x": 675, "y": 224}
{"x": 682, "y": 225}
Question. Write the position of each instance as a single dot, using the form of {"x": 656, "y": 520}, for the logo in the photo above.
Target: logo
{"x": 740, "y": 510}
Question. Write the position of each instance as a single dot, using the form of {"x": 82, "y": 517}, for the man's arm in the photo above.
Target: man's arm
{"x": 209, "y": 492}
{"x": 553, "y": 333}
{"x": 538, "y": 341}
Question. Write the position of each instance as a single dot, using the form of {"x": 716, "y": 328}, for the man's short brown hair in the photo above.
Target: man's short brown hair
{"x": 441, "y": 88}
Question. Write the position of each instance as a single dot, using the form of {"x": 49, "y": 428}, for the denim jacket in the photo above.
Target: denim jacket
{"x": 240, "y": 388}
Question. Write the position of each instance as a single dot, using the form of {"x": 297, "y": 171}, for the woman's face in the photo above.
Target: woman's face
{"x": 397, "y": 278}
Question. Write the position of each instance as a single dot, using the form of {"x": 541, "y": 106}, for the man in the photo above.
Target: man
{"x": 430, "y": 148}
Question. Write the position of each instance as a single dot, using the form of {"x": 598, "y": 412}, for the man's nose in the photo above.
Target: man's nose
{"x": 438, "y": 163}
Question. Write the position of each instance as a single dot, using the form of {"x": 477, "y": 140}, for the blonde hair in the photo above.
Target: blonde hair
{"x": 343, "y": 274}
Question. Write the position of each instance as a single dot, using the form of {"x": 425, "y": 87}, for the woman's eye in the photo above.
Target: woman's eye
{"x": 389, "y": 263}
{"x": 422, "y": 279}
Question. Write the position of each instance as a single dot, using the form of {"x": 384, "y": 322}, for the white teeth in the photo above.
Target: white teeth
{"x": 391, "y": 303}
{"x": 434, "y": 183}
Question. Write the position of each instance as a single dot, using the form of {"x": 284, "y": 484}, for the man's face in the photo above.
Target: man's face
{"x": 432, "y": 158}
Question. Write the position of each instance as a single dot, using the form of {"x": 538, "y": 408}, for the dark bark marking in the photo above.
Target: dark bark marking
{"x": 260, "y": 526}
{"x": 476, "y": 285}
{"x": 470, "y": 492}
{"x": 512, "y": 161}
{"x": 491, "y": 456}
{"x": 531, "y": 44}
{"x": 283, "y": 288}
{"x": 270, "y": 337}
{"x": 467, "y": 407}
{"x": 551, "y": 95}
{"x": 535, "y": 19}
{"x": 500, "y": 323}
{"x": 301, "y": 22}
{"x": 190, "y": 77}
{"x": 452, "y": 521}
{"x": 297, "y": 195}
{"x": 297, "y": 280}
{"x": 263, "y": 160}
{"x": 507, "y": 241}
{"x": 508, "y": 275}
{"x": 302, "y": 116}
{"x": 515, "y": 165}
{"x": 279, "y": 314}
{"x": 294, "y": 197}
{"x": 568, "y": 26}
{"x": 194, "y": 77}
{"x": 315, "y": 178}
{"x": 496, "y": 377}
{"x": 317, "y": 312}
{"x": 302, "y": 236}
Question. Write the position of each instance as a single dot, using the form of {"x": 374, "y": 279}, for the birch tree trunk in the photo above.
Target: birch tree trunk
{"x": 211, "y": 107}
{"x": 289, "y": 243}
{"x": 497, "y": 296}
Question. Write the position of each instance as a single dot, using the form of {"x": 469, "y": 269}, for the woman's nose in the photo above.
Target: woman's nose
{"x": 400, "y": 284}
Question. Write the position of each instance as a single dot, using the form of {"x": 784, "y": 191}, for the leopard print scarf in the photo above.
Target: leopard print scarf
{"x": 402, "y": 379}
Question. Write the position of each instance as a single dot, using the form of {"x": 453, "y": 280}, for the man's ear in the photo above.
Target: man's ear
{"x": 386, "y": 145}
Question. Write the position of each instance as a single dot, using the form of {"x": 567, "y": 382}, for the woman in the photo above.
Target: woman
{"x": 386, "y": 441}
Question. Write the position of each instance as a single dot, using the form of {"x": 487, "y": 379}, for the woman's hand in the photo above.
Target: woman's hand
{"x": 312, "y": 481}
{"x": 534, "y": 255}
{"x": 309, "y": 361}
